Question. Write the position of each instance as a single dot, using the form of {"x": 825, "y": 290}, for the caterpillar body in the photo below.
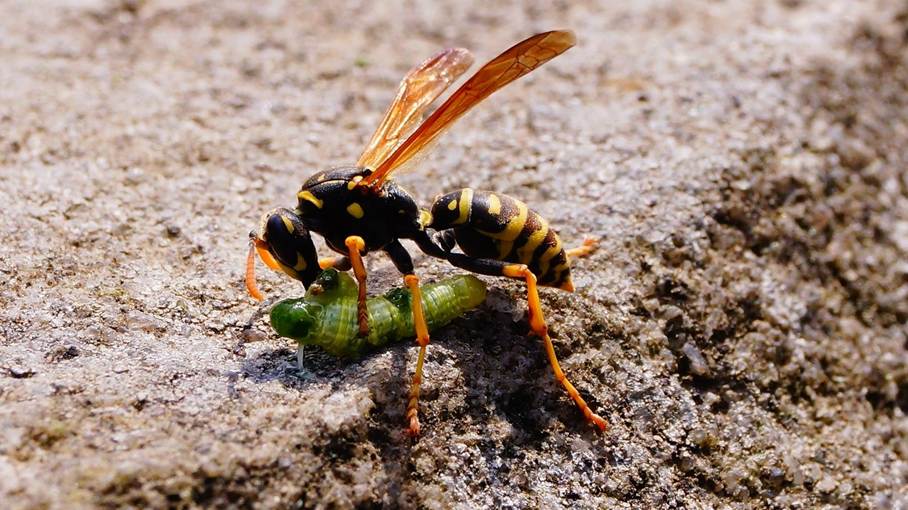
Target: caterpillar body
{"x": 327, "y": 315}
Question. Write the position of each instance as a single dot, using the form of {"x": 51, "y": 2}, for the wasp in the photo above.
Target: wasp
{"x": 360, "y": 209}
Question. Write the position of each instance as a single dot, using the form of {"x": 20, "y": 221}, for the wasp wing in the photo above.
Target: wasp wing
{"x": 515, "y": 62}
{"x": 422, "y": 85}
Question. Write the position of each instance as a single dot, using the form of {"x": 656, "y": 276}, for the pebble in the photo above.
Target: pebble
{"x": 254, "y": 335}
{"x": 698, "y": 363}
{"x": 20, "y": 372}
{"x": 142, "y": 321}
{"x": 827, "y": 484}
{"x": 703, "y": 437}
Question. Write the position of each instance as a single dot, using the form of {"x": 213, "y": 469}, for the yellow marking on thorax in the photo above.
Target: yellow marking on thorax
{"x": 300, "y": 263}
{"x": 425, "y": 218}
{"x": 309, "y": 197}
{"x": 525, "y": 252}
{"x": 354, "y": 182}
{"x": 287, "y": 223}
{"x": 515, "y": 225}
{"x": 452, "y": 205}
{"x": 466, "y": 202}
{"x": 355, "y": 210}
{"x": 494, "y": 204}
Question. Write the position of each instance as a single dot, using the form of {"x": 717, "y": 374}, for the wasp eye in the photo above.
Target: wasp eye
{"x": 278, "y": 232}
{"x": 288, "y": 240}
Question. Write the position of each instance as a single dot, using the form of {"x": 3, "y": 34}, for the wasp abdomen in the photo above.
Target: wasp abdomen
{"x": 495, "y": 226}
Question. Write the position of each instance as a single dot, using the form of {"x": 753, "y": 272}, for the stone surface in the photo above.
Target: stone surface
{"x": 742, "y": 327}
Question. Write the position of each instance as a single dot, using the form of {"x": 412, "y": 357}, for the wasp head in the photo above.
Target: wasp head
{"x": 283, "y": 244}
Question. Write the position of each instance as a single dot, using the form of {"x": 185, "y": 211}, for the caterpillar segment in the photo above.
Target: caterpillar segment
{"x": 327, "y": 315}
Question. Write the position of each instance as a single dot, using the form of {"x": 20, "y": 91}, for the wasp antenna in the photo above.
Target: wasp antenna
{"x": 250, "y": 274}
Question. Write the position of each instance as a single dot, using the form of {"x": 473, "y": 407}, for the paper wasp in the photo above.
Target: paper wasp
{"x": 358, "y": 209}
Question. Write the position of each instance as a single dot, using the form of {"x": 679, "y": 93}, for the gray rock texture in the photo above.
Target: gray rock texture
{"x": 743, "y": 326}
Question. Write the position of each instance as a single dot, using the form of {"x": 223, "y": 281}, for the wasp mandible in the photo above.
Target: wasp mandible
{"x": 359, "y": 210}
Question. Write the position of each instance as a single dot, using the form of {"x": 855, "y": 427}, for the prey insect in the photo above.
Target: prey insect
{"x": 327, "y": 315}
{"x": 359, "y": 209}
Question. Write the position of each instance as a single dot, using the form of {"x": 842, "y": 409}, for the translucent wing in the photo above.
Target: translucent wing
{"x": 515, "y": 62}
{"x": 422, "y": 85}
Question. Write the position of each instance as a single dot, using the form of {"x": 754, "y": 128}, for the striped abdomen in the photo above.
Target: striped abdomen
{"x": 495, "y": 226}
{"x": 327, "y": 316}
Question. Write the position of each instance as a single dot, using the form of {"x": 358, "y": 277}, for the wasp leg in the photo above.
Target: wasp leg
{"x": 404, "y": 264}
{"x": 445, "y": 239}
{"x": 339, "y": 263}
{"x": 356, "y": 244}
{"x": 537, "y": 324}
{"x": 422, "y": 337}
{"x": 589, "y": 245}
{"x": 493, "y": 267}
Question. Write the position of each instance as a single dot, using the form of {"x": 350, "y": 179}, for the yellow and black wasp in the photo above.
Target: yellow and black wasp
{"x": 358, "y": 209}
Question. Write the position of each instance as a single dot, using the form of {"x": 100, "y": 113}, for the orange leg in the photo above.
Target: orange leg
{"x": 422, "y": 337}
{"x": 339, "y": 263}
{"x": 589, "y": 246}
{"x": 355, "y": 244}
{"x": 537, "y": 324}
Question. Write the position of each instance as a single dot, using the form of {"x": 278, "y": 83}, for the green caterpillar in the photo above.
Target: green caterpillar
{"x": 326, "y": 316}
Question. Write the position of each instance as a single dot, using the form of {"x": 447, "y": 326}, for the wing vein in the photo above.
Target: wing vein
{"x": 416, "y": 92}
{"x": 513, "y": 63}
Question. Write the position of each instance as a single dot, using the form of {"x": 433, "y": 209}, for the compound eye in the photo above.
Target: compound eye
{"x": 289, "y": 241}
{"x": 279, "y": 239}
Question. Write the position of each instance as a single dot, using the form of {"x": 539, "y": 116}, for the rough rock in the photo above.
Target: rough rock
{"x": 743, "y": 326}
